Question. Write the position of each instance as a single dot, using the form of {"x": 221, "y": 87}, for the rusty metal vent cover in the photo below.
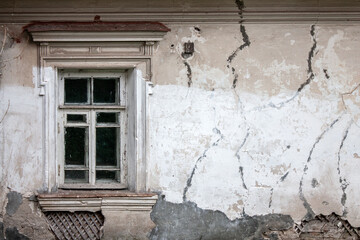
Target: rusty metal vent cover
{"x": 76, "y": 225}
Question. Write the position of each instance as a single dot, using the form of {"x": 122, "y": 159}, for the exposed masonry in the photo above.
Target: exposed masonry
{"x": 342, "y": 180}
{"x": 241, "y": 168}
{"x": 246, "y": 42}
{"x": 310, "y": 213}
{"x": 320, "y": 227}
{"x": 189, "y": 73}
{"x": 188, "y": 221}
{"x": 310, "y": 72}
{"x": 14, "y": 202}
{"x": 13, "y": 234}
{"x": 199, "y": 160}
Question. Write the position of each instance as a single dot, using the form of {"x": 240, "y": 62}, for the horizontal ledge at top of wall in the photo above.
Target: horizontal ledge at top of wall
{"x": 249, "y": 16}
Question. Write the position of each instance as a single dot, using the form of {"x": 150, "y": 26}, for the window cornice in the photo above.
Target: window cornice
{"x": 96, "y": 31}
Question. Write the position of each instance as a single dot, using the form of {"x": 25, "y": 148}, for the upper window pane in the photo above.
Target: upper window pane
{"x": 105, "y": 90}
{"x": 76, "y": 90}
{"x": 105, "y": 117}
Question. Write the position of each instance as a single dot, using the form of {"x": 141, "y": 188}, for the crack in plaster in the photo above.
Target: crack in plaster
{"x": 344, "y": 104}
{"x": 310, "y": 213}
{"x": 189, "y": 73}
{"x": 283, "y": 177}
{"x": 310, "y": 78}
{"x": 246, "y": 42}
{"x": 343, "y": 183}
{"x": 241, "y": 168}
{"x": 277, "y": 183}
{"x": 199, "y": 160}
{"x": 326, "y": 73}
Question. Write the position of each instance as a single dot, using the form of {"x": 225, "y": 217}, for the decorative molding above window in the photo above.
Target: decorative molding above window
{"x": 96, "y": 31}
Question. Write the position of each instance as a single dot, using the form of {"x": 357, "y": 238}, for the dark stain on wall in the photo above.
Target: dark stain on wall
{"x": 13, "y": 234}
{"x": 14, "y": 202}
{"x": 1, "y": 231}
{"x": 188, "y": 221}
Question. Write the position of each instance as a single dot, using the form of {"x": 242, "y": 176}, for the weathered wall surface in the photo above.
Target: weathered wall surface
{"x": 261, "y": 120}
{"x": 21, "y": 171}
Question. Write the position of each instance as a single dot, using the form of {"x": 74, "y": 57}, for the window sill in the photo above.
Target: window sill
{"x": 93, "y": 187}
{"x": 93, "y": 201}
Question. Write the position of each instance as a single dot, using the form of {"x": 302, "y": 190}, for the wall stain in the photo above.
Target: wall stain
{"x": 1, "y": 231}
{"x": 188, "y": 221}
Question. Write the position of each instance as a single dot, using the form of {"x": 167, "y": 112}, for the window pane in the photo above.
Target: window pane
{"x": 105, "y": 90}
{"x": 76, "y": 118}
{"x": 107, "y": 175}
{"x": 76, "y": 90}
{"x": 75, "y": 146}
{"x": 105, "y": 117}
{"x": 106, "y": 143}
{"x": 76, "y": 176}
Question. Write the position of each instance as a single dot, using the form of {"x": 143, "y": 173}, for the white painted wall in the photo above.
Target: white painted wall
{"x": 292, "y": 148}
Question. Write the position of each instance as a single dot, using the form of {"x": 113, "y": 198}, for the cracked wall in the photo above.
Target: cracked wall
{"x": 268, "y": 125}
{"x": 261, "y": 123}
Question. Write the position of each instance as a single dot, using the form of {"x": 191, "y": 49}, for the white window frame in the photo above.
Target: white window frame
{"x": 97, "y": 51}
{"x": 90, "y": 112}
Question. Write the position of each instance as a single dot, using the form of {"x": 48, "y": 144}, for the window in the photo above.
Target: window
{"x": 92, "y": 128}
{"x": 87, "y": 132}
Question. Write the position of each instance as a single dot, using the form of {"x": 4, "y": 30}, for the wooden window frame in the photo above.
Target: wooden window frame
{"x": 128, "y": 49}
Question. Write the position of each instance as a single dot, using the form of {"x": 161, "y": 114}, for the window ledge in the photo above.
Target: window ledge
{"x": 93, "y": 201}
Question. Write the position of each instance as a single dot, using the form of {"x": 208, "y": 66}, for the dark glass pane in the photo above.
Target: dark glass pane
{"x": 76, "y": 117}
{"x": 75, "y": 142}
{"x": 105, "y": 117}
{"x": 106, "y": 146}
{"x": 106, "y": 175}
{"x": 76, "y": 90}
{"x": 76, "y": 176}
{"x": 104, "y": 90}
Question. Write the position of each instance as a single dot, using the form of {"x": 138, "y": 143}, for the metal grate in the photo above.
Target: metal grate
{"x": 76, "y": 225}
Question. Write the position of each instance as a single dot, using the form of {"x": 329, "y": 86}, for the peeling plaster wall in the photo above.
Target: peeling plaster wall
{"x": 260, "y": 120}
{"x": 21, "y": 164}
{"x": 267, "y": 122}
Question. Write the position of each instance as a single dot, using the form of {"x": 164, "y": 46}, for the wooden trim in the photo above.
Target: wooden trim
{"x": 97, "y": 201}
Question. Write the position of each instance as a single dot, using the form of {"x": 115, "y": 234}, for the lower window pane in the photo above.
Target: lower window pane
{"x": 106, "y": 145}
{"x": 107, "y": 175}
{"x": 75, "y": 146}
{"x": 76, "y": 176}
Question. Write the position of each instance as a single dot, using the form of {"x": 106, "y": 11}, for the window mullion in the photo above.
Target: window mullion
{"x": 91, "y": 90}
{"x": 92, "y": 150}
